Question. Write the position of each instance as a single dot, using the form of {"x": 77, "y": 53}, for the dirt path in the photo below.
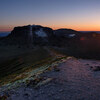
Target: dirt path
{"x": 53, "y": 52}
{"x": 74, "y": 81}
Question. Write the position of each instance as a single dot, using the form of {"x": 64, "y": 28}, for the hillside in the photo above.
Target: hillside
{"x": 35, "y": 61}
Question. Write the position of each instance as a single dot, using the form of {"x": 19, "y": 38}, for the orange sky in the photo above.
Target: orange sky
{"x": 78, "y": 28}
{"x": 80, "y": 15}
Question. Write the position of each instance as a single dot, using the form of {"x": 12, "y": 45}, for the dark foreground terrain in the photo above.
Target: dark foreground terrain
{"x": 73, "y": 79}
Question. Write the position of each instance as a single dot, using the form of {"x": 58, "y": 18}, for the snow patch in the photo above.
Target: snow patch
{"x": 41, "y": 33}
{"x": 71, "y": 35}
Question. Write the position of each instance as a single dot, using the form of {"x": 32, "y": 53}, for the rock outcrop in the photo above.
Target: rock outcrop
{"x": 39, "y": 35}
{"x": 68, "y": 33}
{"x": 32, "y": 34}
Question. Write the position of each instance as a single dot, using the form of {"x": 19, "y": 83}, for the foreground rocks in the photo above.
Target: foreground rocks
{"x": 95, "y": 68}
{"x": 73, "y": 81}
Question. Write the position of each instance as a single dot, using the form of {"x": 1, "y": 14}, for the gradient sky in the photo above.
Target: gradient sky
{"x": 81, "y": 15}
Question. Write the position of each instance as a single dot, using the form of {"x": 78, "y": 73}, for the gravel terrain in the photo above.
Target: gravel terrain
{"x": 71, "y": 80}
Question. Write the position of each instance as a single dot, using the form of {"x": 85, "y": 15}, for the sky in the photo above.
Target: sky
{"x": 80, "y": 15}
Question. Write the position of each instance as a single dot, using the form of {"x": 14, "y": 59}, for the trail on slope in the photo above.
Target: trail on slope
{"x": 74, "y": 81}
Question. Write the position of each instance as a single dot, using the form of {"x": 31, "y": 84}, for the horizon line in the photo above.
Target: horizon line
{"x": 62, "y": 28}
{"x": 5, "y": 29}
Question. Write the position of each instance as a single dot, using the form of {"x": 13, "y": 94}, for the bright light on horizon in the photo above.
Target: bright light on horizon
{"x": 5, "y": 29}
{"x": 83, "y": 28}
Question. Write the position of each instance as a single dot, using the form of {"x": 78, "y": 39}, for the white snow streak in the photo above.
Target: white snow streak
{"x": 41, "y": 33}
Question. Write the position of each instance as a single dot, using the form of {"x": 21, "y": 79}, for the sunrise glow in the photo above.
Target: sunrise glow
{"x": 80, "y": 15}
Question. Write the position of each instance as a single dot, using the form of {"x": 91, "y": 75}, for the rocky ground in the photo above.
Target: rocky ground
{"x": 74, "y": 79}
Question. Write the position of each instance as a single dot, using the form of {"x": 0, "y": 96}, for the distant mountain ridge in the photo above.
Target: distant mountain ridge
{"x": 72, "y": 42}
{"x": 3, "y": 34}
{"x": 31, "y": 34}
{"x": 89, "y": 31}
{"x": 40, "y": 35}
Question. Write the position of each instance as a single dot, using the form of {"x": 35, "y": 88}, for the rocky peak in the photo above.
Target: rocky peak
{"x": 34, "y": 34}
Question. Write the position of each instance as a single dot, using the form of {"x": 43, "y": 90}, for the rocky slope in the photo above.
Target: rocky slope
{"x": 72, "y": 79}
